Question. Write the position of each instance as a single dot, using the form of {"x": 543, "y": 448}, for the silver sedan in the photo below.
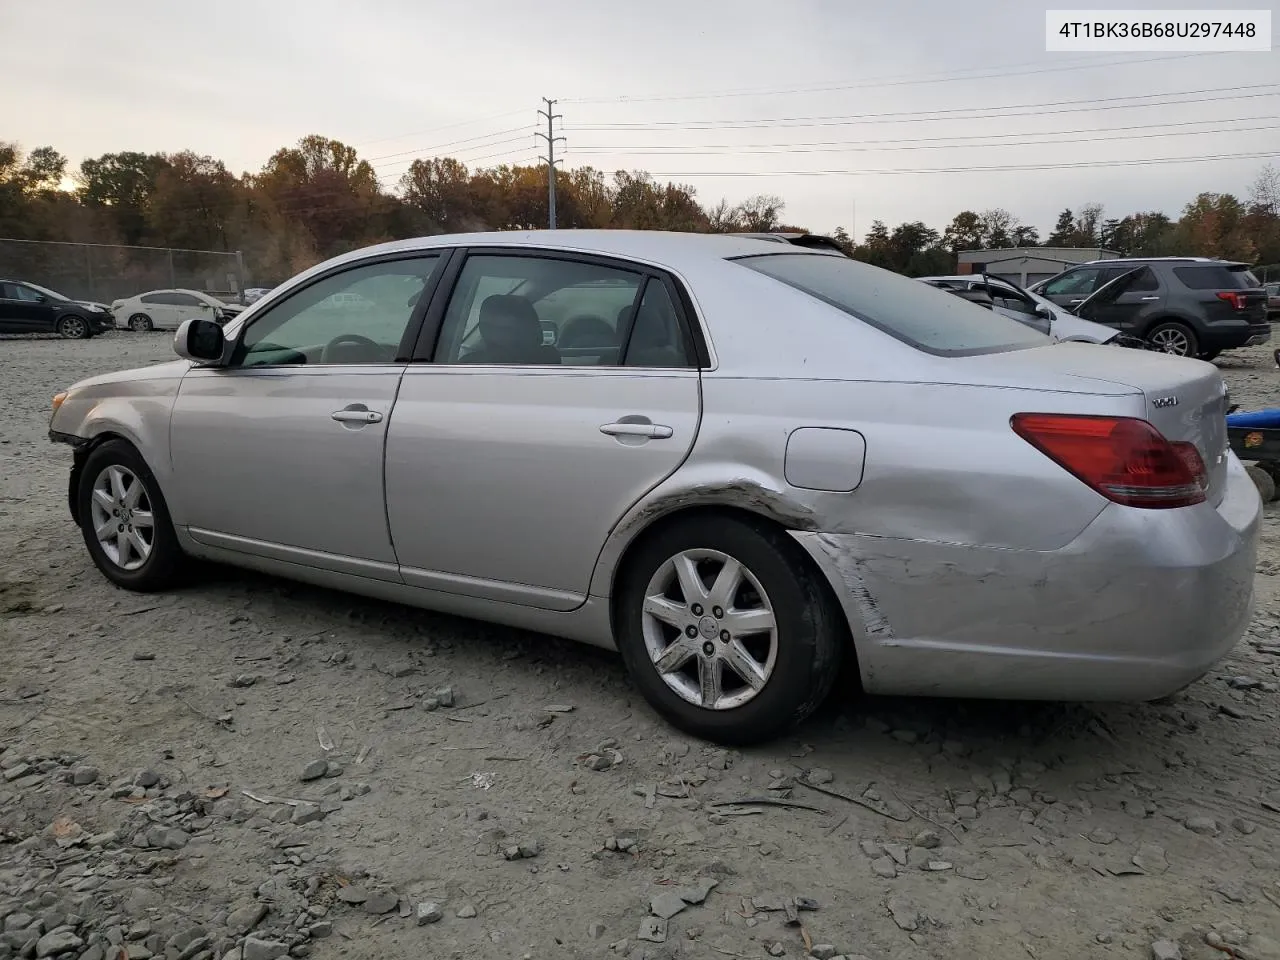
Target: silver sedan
{"x": 738, "y": 463}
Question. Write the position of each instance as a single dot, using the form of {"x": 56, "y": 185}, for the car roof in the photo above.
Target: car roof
{"x": 653, "y": 245}
{"x": 1121, "y": 261}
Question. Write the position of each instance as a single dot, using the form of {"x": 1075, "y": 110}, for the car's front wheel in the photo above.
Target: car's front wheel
{"x": 72, "y": 327}
{"x": 1175, "y": 338}
{"x": 140, "y": 323}
{"x": 125, "y": 521}
{"x": 725, "y": 629}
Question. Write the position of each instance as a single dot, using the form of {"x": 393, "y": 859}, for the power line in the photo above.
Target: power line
{"x": 452, "y": 143}
{"x": 892, "y": 81}
{"x": 961, "y": 136}
{"x": 459, "y": 154}
{"x": 722, "y": 149}
{"x": 448, "y": 126}
{"x": 988, "y": 169}
{"x": 918, "y": 116}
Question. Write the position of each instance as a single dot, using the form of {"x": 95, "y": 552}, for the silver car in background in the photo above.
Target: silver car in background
{"x": 738, "y": 462}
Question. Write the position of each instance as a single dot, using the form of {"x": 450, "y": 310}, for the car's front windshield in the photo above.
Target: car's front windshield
{"x": 51, "y": 294}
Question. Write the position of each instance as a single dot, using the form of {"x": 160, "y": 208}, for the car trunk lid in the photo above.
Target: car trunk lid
{"x": 1183, "y": 399}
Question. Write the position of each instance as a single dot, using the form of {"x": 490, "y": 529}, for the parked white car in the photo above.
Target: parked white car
{"x": 167, "y": 309}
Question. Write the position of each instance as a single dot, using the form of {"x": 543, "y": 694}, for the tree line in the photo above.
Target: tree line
{"x": 319, "y": 198}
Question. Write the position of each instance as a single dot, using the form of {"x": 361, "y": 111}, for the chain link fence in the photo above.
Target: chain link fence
{"x": 106, "y": 272}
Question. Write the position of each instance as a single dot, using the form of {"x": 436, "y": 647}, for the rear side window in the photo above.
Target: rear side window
{"x": 916, "y": 313}
{"x": 1214, "y": 276}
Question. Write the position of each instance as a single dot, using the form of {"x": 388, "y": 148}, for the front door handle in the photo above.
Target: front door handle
{"x": 653, "y": 431}
{"x": 1077, "y": 300}
{"x": 1150, "y": 298}
{"x": 356, "y": 413}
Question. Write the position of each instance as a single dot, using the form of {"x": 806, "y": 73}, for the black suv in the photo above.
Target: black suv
{"x": 27, "y": 308}
{"x": 1189, "y": 306}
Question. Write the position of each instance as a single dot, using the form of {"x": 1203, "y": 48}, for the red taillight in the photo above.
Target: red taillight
{"x": 1126, "y": 460}
{"x": 1235, "y": 299}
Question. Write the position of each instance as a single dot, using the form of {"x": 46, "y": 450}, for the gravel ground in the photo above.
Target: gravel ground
{"x": 250, "y": 769}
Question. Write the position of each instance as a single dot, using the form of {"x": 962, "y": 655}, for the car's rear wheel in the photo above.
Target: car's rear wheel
{"x": 140, "y": 323}
{"x": 72, "y": 327}
{"x": 125, "y": 521}
{"x": 725, "y": 629}
{"x": 1175, "y": 338}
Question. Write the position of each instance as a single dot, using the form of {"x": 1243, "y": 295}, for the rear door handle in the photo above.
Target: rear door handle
{"x": 356, "y": 414}
{"x": 654, "y": 431}
{"x": 1150, "y": 298}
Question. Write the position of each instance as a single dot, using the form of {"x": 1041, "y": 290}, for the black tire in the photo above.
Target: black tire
{"x": 1210, "y": 355}
{"x": 810, "y": 634}
{"x": 1169, "y": 332}
{"x": 141, "y": 323}
{"x": 1272, "y": 470}
{"x": 166, "y": 562}
{"x": 73, "y": 327}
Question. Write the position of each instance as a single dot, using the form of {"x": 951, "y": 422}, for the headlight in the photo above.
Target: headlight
{"x": 57, "y": 400}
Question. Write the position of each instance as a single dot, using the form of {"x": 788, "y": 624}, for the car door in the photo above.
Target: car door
{"x": 1016, "y": 306}
{"x": 507, "y": 468}
{"x": 278, "y": 451}
{"x": 24, "y": 309}
{"x": 1128, "y": 305}
{"x": 1069, "y": 289}
{"x": 186, "y": 306}
{"x": 156, "y": 305}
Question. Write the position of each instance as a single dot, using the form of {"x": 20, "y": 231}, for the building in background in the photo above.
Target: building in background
{"x": 1027, "y": 265}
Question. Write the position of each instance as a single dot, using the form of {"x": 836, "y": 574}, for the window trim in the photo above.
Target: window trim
{"x": 404, "y": 350}
{"x": 691, "y": 328}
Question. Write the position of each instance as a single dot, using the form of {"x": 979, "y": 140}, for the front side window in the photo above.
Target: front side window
{"x": 360, "y": 315}
{"x": 21, "y": 292}
{"x": 536, "y": 311}
{"x": 916, "y": 313}
{"x": 1076, "y": 283}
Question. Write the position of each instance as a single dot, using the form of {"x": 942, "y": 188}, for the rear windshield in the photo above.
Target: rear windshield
{"x": 922, "y": 315}
{"x": 1216, "y": 276}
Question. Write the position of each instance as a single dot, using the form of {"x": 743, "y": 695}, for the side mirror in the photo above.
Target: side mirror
{"x": 199, "y": 340}
{"x": 41, "y": 298}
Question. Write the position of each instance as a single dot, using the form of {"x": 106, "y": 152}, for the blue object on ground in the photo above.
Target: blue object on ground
{"x": 1259, "y": 419}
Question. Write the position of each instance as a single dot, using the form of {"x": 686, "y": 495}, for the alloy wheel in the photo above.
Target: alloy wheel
{"x": 709, "y": 629}
{"x": 73, "y": 328}
{"x": 1172, "y": 340}
{"x": 122, "y": 517}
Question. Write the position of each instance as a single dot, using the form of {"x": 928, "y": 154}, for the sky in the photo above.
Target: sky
{"x": 733, "y": 97}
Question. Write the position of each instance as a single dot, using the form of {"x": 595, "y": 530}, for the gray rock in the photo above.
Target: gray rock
{"x": 96, "y": 952}
{"x": 822, "y": 951}
{"x": 698, "y": 891}
{"x": 314, "y": 770}
{"x": 927, "y": 839}
{"x": 1205, "y": 826}
{"x": 56, "y": 942}
{"x": 653, "y": 929}
{"x": 306, "y": 813}
{"x": 147, "y": 779}
{"x": 596, "y": 931}
{"x": 83, "y": 776}
{"x": 966, "y": 812}
{"x": 445, "y": 696}
{"x": 898, "y": 851}
{"x": 15, "y": 773}
{"x": 170, "y": 838}
{"x": 244, "y": 919}
{"x": 884, "y": 867}
{"x": 904, "y": 914}
{"x": 467, "y": 911}
{"x": 1244, "y": 826}
{"x": 820, "y": 775}
{"x": 353, "y": 894}
{"x": 1166, "y": 950}
{"x": 428, "y": 912}
{"x": 255, "y": 949}
{"x": 906, "y": 736}
{"x": 321, "y": 930}
{"x": 666, "y": 904}
{"x": 381, "y": 902}
{"x": 332, "y": 769}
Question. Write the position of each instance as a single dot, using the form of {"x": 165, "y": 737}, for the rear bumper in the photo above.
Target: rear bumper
{"x": 1141, "y": 604}
{"x": 1228, "y": 336}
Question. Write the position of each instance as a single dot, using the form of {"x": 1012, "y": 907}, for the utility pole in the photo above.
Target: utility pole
{"x": 550, "y": 158}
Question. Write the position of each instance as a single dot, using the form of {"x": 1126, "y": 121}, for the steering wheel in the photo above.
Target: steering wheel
{"x": 345, "y": 338}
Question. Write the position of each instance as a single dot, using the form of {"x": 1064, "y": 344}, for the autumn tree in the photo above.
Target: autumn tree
{"x": 1063, "y": 230}
{"x": 965, "y": 232}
